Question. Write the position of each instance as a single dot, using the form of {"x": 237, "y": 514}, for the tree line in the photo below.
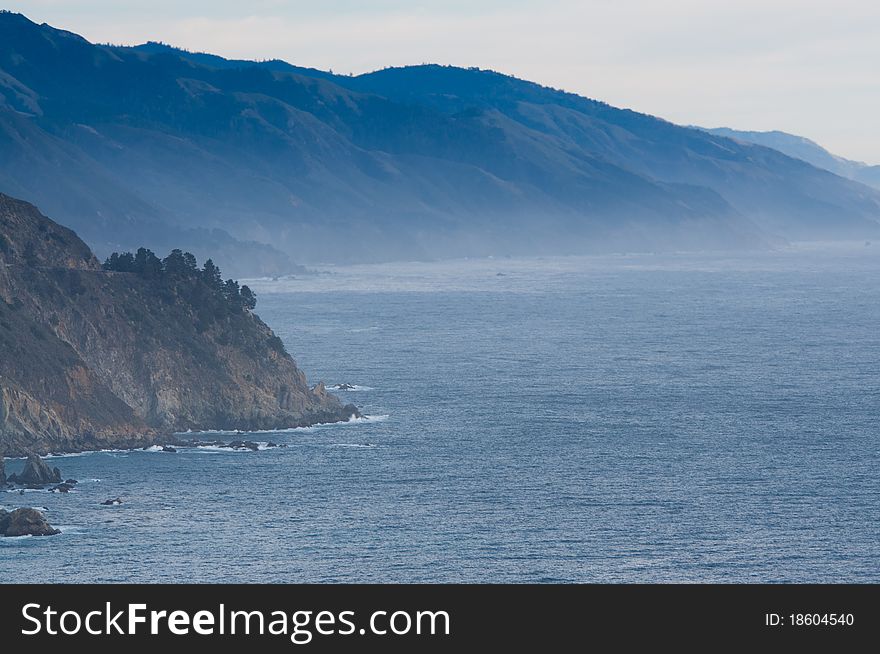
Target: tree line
{"x": 182, "y": 266}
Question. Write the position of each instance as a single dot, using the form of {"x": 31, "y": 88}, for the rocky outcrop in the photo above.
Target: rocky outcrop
{"x": 2, "y": 470}
{"x": 36, "y": 473}
{"x": 239, "y": 446}
{"x": 25, "y": 522}
{"x": 91, "y": 359}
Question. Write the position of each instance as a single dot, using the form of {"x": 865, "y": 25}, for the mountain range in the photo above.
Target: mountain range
{"x": 803, "y": 148}
{"x": 259, "y": 164}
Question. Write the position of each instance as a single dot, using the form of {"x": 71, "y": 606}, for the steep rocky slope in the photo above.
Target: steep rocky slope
{"x": 92, "y": 359}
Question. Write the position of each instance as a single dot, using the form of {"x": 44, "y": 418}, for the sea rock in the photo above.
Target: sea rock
{"x": 71, "y": 482}
{"x": 36, "y": 473}
{"x": 168, "y": 448}
{"x": 63, "y": 487}
{"x": 25, "y": 522}
{"x": 114, "y": 502}
{"x": 343, "y": 387}
{"x": 236, "y": 445}
{"x": 243, "y": 445}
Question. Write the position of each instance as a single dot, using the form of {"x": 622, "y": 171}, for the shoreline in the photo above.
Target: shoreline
{"x": 173, "y": 439}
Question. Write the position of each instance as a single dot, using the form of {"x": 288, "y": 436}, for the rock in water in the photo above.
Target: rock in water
{"x": 243, "y": 445}
{"x": 25, "y": 522}
{"x": 114, "y": 502}
{"x": 37, "y": 473}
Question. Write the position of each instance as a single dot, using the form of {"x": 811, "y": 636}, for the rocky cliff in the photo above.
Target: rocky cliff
{"x": 92, "y": 359}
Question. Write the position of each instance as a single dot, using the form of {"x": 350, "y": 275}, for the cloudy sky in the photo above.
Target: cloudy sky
{"x": 804, "y": 66}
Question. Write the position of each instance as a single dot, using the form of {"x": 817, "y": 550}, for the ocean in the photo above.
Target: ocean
{"x": 630, "y": 418}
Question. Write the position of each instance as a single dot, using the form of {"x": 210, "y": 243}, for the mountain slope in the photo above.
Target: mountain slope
{"x": 92, "y": 359}
{"x": 777, "y": 192}
{"x": 417, "y": 162}
{"x": 803, "y": 148}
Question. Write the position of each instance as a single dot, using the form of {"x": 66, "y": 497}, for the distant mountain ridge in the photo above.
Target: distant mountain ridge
{"x": 803, "y": 148}
{"x": 216, "y": 61}
{"x": 158, "y": 146}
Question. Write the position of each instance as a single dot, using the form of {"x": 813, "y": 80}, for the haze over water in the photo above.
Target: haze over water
{"x": 627, "y": 418}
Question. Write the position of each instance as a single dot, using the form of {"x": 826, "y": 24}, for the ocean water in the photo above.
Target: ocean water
{"x": 703, "y": 418}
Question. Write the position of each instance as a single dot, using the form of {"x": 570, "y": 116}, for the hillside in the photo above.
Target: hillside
{"x": 160, "y": 147}
{"x": 91, "y": 358}
{"x": 803, "y": 148}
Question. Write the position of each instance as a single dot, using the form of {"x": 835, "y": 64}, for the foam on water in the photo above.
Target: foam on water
{"x": 261, "y": 447}
{"x": 357, "y": 420}
{"x": 353, "y": 420}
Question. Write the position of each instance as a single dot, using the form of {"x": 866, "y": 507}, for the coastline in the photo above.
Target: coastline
{"x": 348, "y": 413}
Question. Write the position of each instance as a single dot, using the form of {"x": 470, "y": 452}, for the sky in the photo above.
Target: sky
{"x": 802, "y": 66}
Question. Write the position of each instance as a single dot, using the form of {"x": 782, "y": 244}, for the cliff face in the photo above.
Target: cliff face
{"x": 92, "y": 359}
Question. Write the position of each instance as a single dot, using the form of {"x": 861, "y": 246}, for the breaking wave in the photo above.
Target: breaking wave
{"x": 348, "y": 388}
{"x": 353, "y": 420}
{"x": 226, "y": 448}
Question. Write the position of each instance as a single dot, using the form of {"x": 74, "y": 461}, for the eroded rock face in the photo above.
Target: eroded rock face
{"x": 25, "y": 522}
{"x": 2, "y": 471}
{"x": 36, "y": 473}
{"x": 92, "y": 359}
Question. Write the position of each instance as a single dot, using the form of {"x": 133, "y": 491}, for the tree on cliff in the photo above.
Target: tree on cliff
{"x": 211, "y": 275}
{"x": 232, "y": 293}
{"x": 203, "y": 288}
{"x": 248, "y": 298}
{"x": 147, "y": 264}
{"x": 176, "y": 265}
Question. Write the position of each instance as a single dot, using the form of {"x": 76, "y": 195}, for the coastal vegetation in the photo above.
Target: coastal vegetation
{"x": 204, "y": 287}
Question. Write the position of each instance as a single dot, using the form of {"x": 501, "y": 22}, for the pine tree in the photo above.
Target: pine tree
{"x": 231, "y": 293}
{"x": 190, "y": 262}
{"x": 211, "y": 275}
{"x": 248, "y": 298}
{"x": 175, "y": 264}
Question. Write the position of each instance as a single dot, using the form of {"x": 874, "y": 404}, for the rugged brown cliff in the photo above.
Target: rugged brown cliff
{"x": 92, "y": 359}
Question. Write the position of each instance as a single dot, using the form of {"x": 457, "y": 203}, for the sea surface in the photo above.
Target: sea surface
{"x": 643, "y": 418}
